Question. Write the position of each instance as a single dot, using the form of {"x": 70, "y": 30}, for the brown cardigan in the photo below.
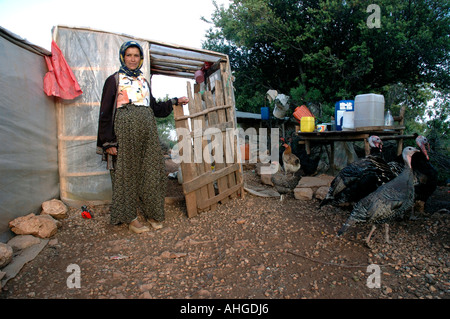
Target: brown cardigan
{"x": 106, "y": 137}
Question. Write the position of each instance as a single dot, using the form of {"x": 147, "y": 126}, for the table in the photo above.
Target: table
{"x": 359, "y": 134}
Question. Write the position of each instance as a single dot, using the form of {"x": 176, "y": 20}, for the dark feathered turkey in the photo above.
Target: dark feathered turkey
{"x": 425, "y": 175}
{"x": 389, "y": 201}
{"x": 360, "y": 178}
{"x": 376, "y": 145}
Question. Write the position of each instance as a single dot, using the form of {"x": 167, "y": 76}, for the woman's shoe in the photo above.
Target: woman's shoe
{"x": 138, "y": 230}
{"x": 155, "y": 224}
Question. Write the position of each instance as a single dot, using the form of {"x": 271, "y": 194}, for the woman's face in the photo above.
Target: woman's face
{"x": 132, "y": 58}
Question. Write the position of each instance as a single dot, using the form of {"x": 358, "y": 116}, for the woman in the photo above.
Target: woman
{"x": 128, "y": 140}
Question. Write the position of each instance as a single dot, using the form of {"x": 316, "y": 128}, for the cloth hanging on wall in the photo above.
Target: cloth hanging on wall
{"x": 60, "y": 80}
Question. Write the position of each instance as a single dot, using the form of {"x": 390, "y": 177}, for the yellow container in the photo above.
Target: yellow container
{"x": 307, "y": 124}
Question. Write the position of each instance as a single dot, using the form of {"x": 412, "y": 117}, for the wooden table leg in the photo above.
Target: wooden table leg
{"x": 366, "y": 146}
{"x": 331, "y": 159}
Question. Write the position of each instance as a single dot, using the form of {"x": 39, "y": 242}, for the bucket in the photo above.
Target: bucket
{"x": 307, "y": 124}
{"x": 340, "y": 108}
{"x": 279, "y": 112}
{"x": 369, "y": 110}
{"x": 321, "y": 127}
{"x": 281, "y": 106}
{"x": 301, "y": 111}
{"x": 265, "y": 113}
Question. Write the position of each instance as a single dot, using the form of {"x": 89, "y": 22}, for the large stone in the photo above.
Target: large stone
{"x": 2, "y": 274}
{"x": 303, "y": 193}
{"x": 55, "y": 208}
{"x": 21, "y": 242}
{"x": 327, "y": 178}
{"x": 6, "y": 254}
{"x": 310, "y": 182}
{"x": 321, "y": 192}
{"x": 42, "y": 226}
{"x": 310, "y": 187}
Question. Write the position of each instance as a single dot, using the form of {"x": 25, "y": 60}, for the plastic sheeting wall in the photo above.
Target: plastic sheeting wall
{"x": 28, "y": 154}
{"x": 92, "y": 56}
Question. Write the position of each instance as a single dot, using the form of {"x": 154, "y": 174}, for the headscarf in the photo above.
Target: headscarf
{"x": 136, "y": 72}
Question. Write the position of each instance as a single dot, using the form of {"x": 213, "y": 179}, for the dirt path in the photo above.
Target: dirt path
{"x": 251, "y": 248}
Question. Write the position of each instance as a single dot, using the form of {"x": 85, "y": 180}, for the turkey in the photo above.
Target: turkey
{"x": 425, "y": 175}
{"x": 389, "y": 201}
{"x": 376, "y": 145}
{"x": 360, "y": 178}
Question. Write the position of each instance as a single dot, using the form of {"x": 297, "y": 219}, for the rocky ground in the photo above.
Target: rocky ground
{"x": 248, "y": 248}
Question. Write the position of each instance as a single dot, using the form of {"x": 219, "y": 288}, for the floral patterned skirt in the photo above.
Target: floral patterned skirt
{"x": 138, "y": 180}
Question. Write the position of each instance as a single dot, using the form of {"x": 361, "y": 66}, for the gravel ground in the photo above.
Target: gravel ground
{"x": 248, "y": 248}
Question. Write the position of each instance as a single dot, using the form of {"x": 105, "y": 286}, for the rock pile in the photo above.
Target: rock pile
{"x": 6, "y": 253}
{"x": 310, "y": 187}
{"x": 30, "y": 229}
{"x": 304, "y": 187}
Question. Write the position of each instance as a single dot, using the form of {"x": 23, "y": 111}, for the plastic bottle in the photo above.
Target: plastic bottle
{"x": 369, "y": 110}
{"x": 388, "y": 119}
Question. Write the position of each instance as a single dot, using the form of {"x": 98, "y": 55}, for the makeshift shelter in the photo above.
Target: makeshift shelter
{"x": 28, "y": 156}
{"x": 93, "y": 56}
{"x": 49, "y": 143}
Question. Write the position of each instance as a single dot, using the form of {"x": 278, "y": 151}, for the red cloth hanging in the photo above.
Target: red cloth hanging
{"x": 60, "y": 80}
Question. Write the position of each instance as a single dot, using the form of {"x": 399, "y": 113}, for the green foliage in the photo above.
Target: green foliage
{"x": 166, "y": 128}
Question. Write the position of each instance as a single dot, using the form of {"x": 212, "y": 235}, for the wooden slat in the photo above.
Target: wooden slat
{"x": 396, "y": 137}
{"x": 221, "y": 127}
{"x": 227, "y": 87}
{"x": 227, "y": 139}
{"x": 208, "y": 177}
{"x": 187, "y": 169}
{"x": 171, "y": 61}
{"x": 181, "y": 54}
{"x": 77, "y": 138}
{"x": 62, "y": 160}
{"x": 221, "y": 196}
{"x": 81, "y": 104}
{"x": 213, "y": 119}
{"x": 197, "y": 124}
{"x": 379, "y": 128}
{"x": 401, "y": 122}
{"x": 82, "y": 174}
{"x": 203, "y": 112}
{"x": 171, "y": 66}
{"x": 173, "y": 73}
{"x": 206, "y": 161}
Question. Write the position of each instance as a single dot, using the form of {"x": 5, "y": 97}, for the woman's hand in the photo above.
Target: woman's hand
{"x": 183, "y": 100}
{"x": 111, "y": 150}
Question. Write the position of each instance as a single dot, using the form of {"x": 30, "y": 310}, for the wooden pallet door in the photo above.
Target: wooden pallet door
{"x": 209, "y": 175}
